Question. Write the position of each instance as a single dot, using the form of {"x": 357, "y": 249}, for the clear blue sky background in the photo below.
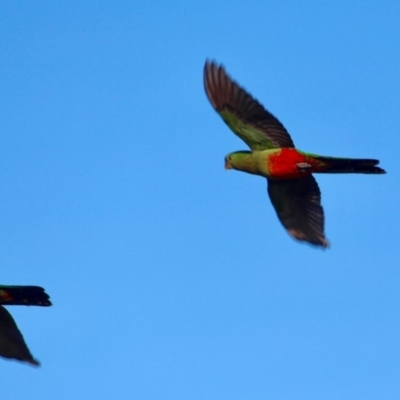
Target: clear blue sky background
{"x": 170, "y": 277}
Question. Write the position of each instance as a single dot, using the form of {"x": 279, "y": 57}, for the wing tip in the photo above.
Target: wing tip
{"x": 319, "y": 241}
{"x": 33, "y": 362}
{"x": 325, "y": 244}
{"x": 213, "y": 76}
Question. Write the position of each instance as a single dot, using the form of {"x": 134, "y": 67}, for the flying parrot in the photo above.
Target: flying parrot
{"x": 292, "y": 189}
{"x": 12, "y": 343}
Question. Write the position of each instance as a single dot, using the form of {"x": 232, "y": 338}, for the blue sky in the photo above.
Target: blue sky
{"x": 170, "y": 277}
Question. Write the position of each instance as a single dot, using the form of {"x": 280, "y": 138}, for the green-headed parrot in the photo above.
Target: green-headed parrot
{"x": 293, "y": 190}
{"x": 12, "y": 343}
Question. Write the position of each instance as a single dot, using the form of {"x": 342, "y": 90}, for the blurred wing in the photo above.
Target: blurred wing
{"x": 297, "y": 203}
{"x": 12, "y": 343}
{"x": 258, "y": 128}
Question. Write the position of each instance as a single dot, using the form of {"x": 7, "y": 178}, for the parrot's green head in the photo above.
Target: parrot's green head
{"x": 240, "y": 160}
{"x": 237, "y": 159}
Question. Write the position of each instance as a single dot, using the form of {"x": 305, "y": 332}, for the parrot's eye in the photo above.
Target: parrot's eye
{"x": 229, "y": 158}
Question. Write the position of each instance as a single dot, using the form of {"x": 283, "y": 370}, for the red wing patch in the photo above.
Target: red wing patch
{"x": 290, "y": 164}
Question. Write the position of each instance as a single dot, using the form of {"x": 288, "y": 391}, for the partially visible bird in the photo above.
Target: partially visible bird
{"x": 293, "y": 190}
{"x": 12, "y": 343}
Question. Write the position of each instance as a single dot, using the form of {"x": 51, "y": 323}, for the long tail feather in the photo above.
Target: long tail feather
{"x": 350, "y": 165}
{"x": 24, "y": 295}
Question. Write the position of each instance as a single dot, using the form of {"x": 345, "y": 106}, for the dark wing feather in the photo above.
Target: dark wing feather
{"x": 257, "y": 127}
{"x": 12, "y": 343}
{"x": 297, "y": 203}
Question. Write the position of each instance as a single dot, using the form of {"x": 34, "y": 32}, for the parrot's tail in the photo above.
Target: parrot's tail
{"x": 24, "y": 296}
{"x": 349, "y": 165}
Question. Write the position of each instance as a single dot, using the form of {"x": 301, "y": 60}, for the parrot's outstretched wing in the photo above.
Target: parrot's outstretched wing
{"x": 12, "y": 343}
{"x": 257, "y": 127}
{"x": 297, "y": 203}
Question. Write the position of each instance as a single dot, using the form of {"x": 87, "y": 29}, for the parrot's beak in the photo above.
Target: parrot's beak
{"x": 227, "y": 165}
